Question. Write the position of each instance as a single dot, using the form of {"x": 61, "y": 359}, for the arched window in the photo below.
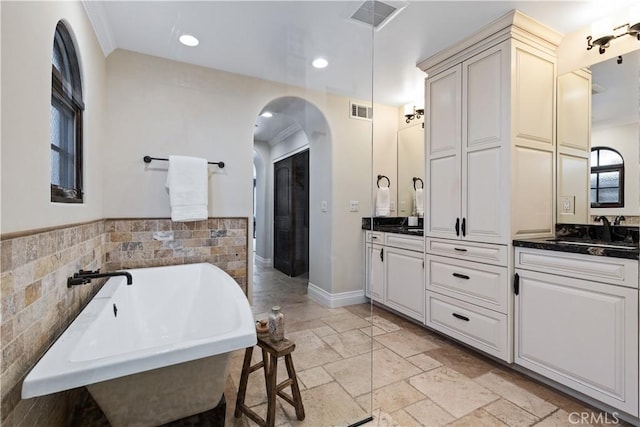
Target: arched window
{"x": 66, "y": 120}
{"x": 607, "y": 178}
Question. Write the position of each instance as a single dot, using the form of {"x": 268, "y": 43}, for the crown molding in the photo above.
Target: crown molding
{"x": 513, "y": 24}
{"x": 285, "y": 133}
{"x": 97, "y": 16}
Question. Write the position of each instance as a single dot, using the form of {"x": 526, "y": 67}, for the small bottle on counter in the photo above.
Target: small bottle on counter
{"x": 276, "y": 324}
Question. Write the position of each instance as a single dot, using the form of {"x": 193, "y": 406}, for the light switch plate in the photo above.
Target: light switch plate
{"x": 323, "y": 206}
{"x": 353, "y": 206}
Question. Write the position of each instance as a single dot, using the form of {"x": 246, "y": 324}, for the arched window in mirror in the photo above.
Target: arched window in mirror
{"x": 66, "y": 120}
{"x": 607, "y": 178}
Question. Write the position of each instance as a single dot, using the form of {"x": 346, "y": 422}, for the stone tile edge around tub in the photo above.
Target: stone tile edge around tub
{"x": 37, "y": 306}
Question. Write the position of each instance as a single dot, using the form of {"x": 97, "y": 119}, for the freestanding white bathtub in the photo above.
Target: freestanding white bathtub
{"x": 152, "y": 352}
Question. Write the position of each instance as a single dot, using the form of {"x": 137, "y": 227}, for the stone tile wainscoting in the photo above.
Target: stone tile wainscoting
{"x": 137, "y": 243}
{"x": 37, "y": 305}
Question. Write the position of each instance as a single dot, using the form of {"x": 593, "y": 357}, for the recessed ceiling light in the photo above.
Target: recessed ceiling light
{"x": 320, "y": 63}
{"x": 189, "y": 40}
{"x": 266, "y": 114}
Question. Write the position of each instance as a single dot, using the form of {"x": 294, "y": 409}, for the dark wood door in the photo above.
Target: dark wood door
{"x": 291, "y": 215}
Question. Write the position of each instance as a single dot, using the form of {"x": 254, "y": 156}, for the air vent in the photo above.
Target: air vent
{"x": 376, "y": 13}
{"x": 359, "y": 111}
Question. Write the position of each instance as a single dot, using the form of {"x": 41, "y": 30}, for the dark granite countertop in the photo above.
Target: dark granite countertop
{"x": 617, "y": 250}
{"x": 392, "y": 225}
{"x": 588, "y": 239}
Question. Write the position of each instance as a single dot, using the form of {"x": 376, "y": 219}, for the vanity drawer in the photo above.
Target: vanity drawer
{"x": 483, "y": 329}
{"x": 487, "y": 253}
{"x": 402, "y": 241}
{"x": 374, "y": 237}
{"x": 615, "y": 271}
{"x": 482, "y": 284}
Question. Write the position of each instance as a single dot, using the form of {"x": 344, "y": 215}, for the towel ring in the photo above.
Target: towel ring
{"x": 385, "y": 177}
{"x": 417, "y": 179}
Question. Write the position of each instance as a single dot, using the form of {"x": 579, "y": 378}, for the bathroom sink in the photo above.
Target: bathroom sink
{"x": 596, "y": 243}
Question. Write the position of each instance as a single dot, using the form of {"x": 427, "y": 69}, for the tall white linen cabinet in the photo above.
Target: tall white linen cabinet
{"x": 490, "y": 128}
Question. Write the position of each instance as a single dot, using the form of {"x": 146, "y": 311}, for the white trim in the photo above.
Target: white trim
{"x": 98, "y": 18}
{"x": 285, "y": 133}
{"x": 291, "y": 153}
{"x": 341, "y": 299}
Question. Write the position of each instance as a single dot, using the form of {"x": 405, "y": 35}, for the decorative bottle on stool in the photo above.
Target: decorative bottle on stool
{"x": 276, "y": 324}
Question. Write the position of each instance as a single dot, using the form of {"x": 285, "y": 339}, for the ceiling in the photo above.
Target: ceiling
{"x": 277, "y": 40}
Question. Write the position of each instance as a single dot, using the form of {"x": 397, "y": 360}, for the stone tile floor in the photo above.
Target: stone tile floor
{"x": 419, "y": 377}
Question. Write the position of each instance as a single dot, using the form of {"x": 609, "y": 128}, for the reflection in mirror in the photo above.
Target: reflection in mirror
{"x": 410, "y": 165}
{"x": 584, "y": 188}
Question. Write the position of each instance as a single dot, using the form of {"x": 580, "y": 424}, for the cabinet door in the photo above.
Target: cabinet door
{"x": 443, "y": 120}
{"x": 375, "y": 272}
{"x": 404, "y": 276}
{"x": 485, "y": 131}
{"x": 582, "y": 334}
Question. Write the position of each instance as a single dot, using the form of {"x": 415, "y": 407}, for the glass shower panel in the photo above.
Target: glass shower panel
{"x": 319, "y": 115}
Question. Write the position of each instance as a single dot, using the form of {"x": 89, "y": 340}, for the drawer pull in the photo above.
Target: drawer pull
{"x": 460, "y": 249}
{"x": 461, "y": 276}
{"x": 460, "y": 316}
{"x": 374, "y": 237}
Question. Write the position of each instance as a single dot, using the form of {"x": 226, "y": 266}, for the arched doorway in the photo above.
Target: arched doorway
{"x": 285, "y": 128}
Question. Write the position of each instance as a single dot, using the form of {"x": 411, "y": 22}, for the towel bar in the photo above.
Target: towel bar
{"x": 147, "y": 159}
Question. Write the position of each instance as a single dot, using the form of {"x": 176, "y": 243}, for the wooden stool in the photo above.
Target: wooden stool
{"x": 271, "y": 352}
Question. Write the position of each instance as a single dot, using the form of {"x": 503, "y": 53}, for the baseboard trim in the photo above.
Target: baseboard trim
{"x": 264, "y": 261}
{"x": 340, "y": 299}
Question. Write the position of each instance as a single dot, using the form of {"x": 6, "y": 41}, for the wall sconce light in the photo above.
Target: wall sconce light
{"x": 602, "y": 35}
{"x": 411, "y": 112}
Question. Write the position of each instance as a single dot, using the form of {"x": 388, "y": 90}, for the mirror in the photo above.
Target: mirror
{"x": 612, "y": 122}
{"x": 410, "y": 166}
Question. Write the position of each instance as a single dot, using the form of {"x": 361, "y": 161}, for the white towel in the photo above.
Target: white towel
{"x": 187, "y": 181}
{"x": 419, "y": 201}
{"x": 383, "y": 202}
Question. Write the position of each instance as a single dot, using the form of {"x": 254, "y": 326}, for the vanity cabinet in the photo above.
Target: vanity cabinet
{"x": 579, "y": 325}
{"x": 395, "y": 272}
{"x": 490, "y": 145}
{"x": 467, "y": 168}
{"x": 490, "y": 167}
{"x": 467, "y": 293}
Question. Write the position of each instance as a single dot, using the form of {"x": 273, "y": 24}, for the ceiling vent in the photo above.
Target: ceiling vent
{"x": 376, "y": 13}
{"x": 359, "y": 111}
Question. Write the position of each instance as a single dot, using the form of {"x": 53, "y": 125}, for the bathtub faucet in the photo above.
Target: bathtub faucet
{"x": 84, "y": 276}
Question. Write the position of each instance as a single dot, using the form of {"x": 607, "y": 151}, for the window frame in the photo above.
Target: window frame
{"x": 66, "y": 96}
{"x": 607, "y": 168}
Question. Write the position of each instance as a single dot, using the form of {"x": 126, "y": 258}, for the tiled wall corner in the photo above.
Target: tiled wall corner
{"x": 37, "y": 307}
{"x": 137, "y": 243}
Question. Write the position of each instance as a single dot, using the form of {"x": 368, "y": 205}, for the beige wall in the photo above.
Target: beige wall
{"x": 27, "y": 42}
{"x": 160, "y": 107}
{"x": 573, "y": 54}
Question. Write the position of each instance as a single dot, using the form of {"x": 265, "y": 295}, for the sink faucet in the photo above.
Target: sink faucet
{"x": 606, "y": 233}
{"x": 83, "y": 277}
{"x": 619, "y": 219}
